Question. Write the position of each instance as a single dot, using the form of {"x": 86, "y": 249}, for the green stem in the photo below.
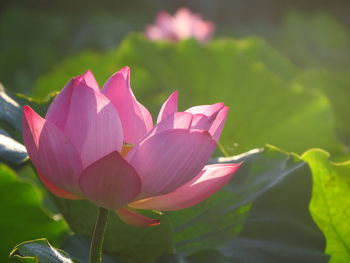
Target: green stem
{"x": 98, "y": 236}
{"x": 223, "y": 149}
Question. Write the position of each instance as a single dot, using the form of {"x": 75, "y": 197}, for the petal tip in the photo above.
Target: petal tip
{"x": 125, "y": 71}
{"x": 27, "y": 109}
{"x": 135, "y": 219}
{"x": 126, "y": 68}
{"x": 237, "y": 166}
{"x": 87, "y": 73}
{"x": 29, "y": 113}
{"x": 87, "y": 78}
{"x": 156, "y": 222}
{"x": 226, "y": 108}
{"x": 175, "y": 95}
{"x": 83, "y": 76}
{"x": 80, "y": 77}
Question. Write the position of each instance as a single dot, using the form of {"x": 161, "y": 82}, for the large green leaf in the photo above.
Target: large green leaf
{"x": 23, "y": 217}
{"x": 246, "y": 74}
{"x": 330, "y": 205}
{"x": 336, "y": 87}
{"x": 39, "y": 251}
{"x": 262, "y": 215}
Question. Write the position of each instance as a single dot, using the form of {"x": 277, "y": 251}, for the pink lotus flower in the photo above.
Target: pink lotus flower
{"x": 184, "y": 24}
{"x": 101, "y": 145}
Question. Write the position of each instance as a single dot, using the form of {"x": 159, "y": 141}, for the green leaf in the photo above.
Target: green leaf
{"x": 247, "y": 74}
{"x": 121, "y": 240}
{"x": 330, "y": 204}
{"x": 39, "y": 251}
{"x": 262, "y": 215}
{"x": 336, "y": 87}
{"x": 23, "y": 216}
{"x": 11, "y": 151}
{"x": 10, "y": 110}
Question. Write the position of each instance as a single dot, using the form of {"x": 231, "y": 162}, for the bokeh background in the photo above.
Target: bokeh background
{"x": 37, "y": 35}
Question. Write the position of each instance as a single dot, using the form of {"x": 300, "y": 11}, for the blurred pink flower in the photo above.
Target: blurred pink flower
{"x": 101, "y": 145}
{"x": 184, "y": 24}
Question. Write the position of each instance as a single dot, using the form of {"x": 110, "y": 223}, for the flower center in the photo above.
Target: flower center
{"x": 126, "y": 148}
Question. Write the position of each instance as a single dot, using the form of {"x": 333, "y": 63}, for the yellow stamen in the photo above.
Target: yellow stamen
{"x": 126, "y": 148}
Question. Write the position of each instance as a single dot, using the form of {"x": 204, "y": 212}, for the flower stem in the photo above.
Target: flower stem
{"x": 98, "y": 236}
{"x": 223, "y": 149}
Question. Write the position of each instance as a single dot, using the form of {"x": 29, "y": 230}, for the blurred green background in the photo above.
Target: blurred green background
{"x": 37, "y": 35}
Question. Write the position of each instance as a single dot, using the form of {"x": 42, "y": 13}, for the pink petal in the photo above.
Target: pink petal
{"x": 89, "y": 79}
{"x": 110, "y": 182}
{"x": 201, "y": 122}
{"x": 184, "y": 23}
{"x": 59, "y": 108}
{"x": 56, "y": 160}
{"x": 169, "y": 106}
{"x": 209, "y": 117}
{"x": 92, "y": 124}
{"x": 163, "y": 29}
{"x": 177, "y": 120}
{"x": 218, "y": 124}
{"x": 135, "y": 118}
{"x": 165, "y": 23}
{"x": 204, "y": 31}
{"x": 188, "y": 24}
{"x": 153, "y": 32}
{"x": 56, "y": 190}
{"x": 183, "y": 13}
{"x": 207, "y": 110}
{"x": 169, "y": 159}
{"x": 87, "y": 118}
{"x": 135, "y": 219}
{"x": 211, "y": 179}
